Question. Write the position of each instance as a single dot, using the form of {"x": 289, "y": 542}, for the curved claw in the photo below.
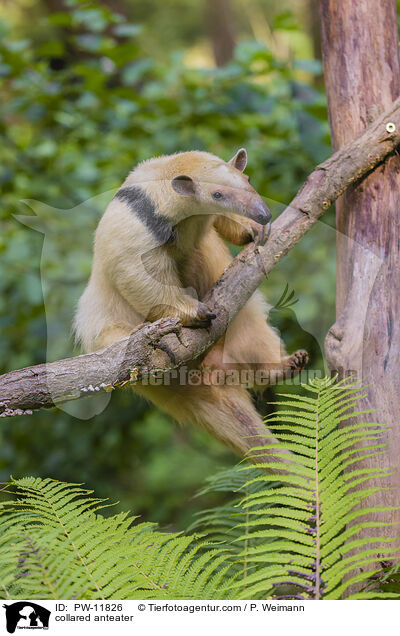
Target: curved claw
{"x": 263, "y": 235}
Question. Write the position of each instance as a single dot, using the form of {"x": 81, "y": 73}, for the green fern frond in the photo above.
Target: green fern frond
{"x": 312, "y": 516}
{"x": 55, "y": 544}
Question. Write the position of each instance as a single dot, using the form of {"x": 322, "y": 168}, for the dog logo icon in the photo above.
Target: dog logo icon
{"x": 26, "y": 615}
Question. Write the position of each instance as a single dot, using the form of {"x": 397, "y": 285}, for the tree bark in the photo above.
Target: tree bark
{"x": 314, "y": 21}
{"x": 360, "y": 54}
{"x": 164, "y": 346}
{"x": 221, "y": 29}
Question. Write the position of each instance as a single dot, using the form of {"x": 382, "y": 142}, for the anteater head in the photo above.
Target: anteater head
{"x": 213, "y": 186}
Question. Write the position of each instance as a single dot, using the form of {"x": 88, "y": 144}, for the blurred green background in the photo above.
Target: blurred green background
{"x": 87, "y": 91}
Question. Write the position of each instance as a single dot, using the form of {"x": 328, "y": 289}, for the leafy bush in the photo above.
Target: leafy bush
{"x": 291, "y": 535}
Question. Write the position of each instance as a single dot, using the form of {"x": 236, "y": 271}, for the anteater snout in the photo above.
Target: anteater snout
{"x": 261, "y": 213}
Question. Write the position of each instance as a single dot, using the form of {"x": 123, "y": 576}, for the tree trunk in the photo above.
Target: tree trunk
{"x": 314, "y": 22}
{"x": 360, "y": 54}
{"x": 220, "y": 26}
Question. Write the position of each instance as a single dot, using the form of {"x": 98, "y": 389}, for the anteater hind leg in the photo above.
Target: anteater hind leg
{"x": 251, "y": 344}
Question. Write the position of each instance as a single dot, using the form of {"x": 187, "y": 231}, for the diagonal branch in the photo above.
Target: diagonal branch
{"x": 164, "y": 346}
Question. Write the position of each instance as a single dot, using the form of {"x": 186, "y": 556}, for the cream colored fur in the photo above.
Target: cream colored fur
{"x": 134, "y": 278}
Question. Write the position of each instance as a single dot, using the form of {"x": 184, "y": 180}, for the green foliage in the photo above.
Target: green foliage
{"x": 293, "y": 534}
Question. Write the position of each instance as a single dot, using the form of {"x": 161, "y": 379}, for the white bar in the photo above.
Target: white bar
{"x": 176, "y": 618}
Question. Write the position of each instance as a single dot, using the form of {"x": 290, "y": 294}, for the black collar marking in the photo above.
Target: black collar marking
{"x": 141, "y": 205}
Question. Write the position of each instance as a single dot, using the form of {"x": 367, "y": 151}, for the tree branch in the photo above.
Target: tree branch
{"x": 163, "y": 346}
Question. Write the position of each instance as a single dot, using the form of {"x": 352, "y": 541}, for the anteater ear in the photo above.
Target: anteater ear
{"x": 239, "y": 161}
{"x": 184, "y": 185}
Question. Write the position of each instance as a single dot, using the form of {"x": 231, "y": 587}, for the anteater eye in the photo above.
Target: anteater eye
{"x": 217, "y": 195}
